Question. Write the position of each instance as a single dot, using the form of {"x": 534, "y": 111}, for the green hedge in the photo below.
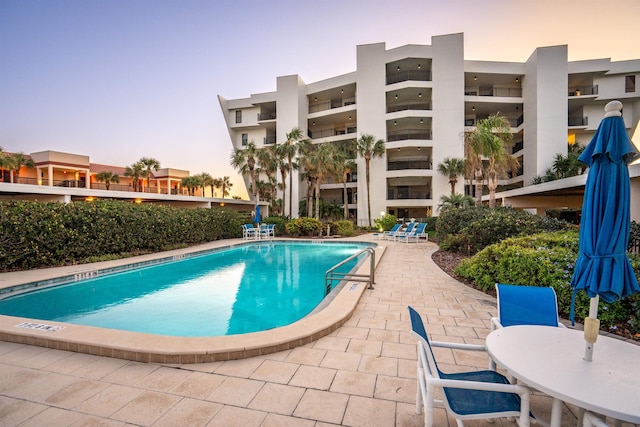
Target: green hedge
{"x": 36, "y": 235}
{"x": 473, "y": 228}
{"x": 547, "y": 259}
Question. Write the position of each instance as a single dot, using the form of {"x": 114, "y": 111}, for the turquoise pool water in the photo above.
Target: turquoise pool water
{"x": 238, "y": 290}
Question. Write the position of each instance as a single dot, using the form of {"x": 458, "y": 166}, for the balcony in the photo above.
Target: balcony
{"x": 403, "y": 76}
{"x": 513, "y": 122}
{"x": 266, "y": 116}
{"x": 269, "y": 140}
{"x": 578, "y": 121}
{"x": 507, "y": 92}
{"x": 325, "y": 133}
{"x": 583, "y": 90}
{"x": 397, "y": 165}
{"x": 405, "y": 134}
{"x": 409, "y": 193}
{"x": 331, "y": 104}
{"x": 403, "y": 106}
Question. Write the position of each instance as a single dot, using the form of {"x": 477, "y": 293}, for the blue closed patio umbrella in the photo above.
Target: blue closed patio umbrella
{"x": 257, "y": 218}
{"x": 603, "y": 269}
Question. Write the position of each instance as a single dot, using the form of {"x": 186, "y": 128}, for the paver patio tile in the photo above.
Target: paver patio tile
{"x": 313, "y": 377}
{"x": 236, "y": 391}
{"x": 52, "y": 417}
{"x": 277, "y": 420}
{"x": 109, "y": 401}
{"x": 322, "y": 406}
{"x": 341, "y": 360}
{"x": 273, "y": 371}
{"x": 277, "y": 398}
{"x": 356, "y": 383}
{"x": 15, "y": 411}
{"x": 306, "y": 356}
{"x": 146, "y": 408}
{"x": 364, "y": 411}
{"x": 232, "y": 416}
{"x": 189, "y": 412}
{"x": 198, "y": 385}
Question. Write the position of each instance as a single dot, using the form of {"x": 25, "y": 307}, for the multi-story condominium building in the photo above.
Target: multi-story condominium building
{"x": 421, "y": 99}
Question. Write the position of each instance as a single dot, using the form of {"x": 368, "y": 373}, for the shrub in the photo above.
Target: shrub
{"x": 279, "y": 222}
{"x": 386, "y": 223}
{"x": 472, "y": 229}
{"x": 304, "y": 227}
{"x": 36, "y": 235}
{"x": 343, "y": 228}
{"x": 546, "y": 259}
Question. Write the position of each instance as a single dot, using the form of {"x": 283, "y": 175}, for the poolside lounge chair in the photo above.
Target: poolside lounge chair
{"x": 384, "y": 234}
{"x": 525, "y": 305}
{"x": 400, "y": 232}
{"x": 466, "y": 395}
{"x": 415, "y": 234}
{"x": 250, "y": 232}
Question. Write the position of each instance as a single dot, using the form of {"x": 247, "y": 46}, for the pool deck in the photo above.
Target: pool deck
{"x": 360, "y": 374}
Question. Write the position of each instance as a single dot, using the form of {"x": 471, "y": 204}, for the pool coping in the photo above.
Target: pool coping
{"x": 170, "y": 349}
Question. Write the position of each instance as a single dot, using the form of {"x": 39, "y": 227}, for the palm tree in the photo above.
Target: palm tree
{"x": 148, "y": 164}
{"x": 323, "y": 158}
{"x": 455, "y": 201}
{"x": 452, "y": 168}
{"x": 14, "y": 161}
{"x": 344, "y": 164}
{"x": 225, "y": 184}
{"x": 135, "y": 171}
{"x": 206, "y": 180}
{"x": 490, "y": 140}
{"x": 107, "y": 177}
{"x": 192, "y": 182}
{"x": 245, "y": 161}
{"x": 288, "y": 150}
{"x": 369, "y": 148}
{"x": 306, "y": 150}
{"x": 269, "y": 167}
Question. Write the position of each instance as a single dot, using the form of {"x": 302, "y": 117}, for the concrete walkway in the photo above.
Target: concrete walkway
{"x": 363, "y": 374}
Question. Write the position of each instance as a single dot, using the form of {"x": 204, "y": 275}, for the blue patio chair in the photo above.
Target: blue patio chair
{"x": 250, "y": 232}
{"x": 400, "y": 232}
{"x": 525, "y": 305}
{"x": 466, "y": 395}
{"x": 415, "y": 234}
{"x": 267, "y": 231}
{"x": 384, "y": 234}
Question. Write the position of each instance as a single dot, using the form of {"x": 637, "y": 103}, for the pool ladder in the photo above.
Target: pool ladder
{"x": 332, "y": 275}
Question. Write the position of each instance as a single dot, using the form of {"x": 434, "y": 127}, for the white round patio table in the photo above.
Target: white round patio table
{"x": 550, "y": 359}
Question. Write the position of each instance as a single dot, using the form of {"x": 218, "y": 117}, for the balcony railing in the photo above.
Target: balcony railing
{"x": 268, "y": 140}
{"x": 583, "y": 90}
{"x": 266, "y": 116}
{"x": 494, "y": 91}
{"x": 517, "y": 147}
{"x": 403, "y": 76}
{"x": 408, "y": 164}
{"x": 325, "y": 133}
{"x": 578, "y": 121}
{"x": 405, "y": 134}
{"x": 408, "y": 194}
{"x": 331, "y": 104}
{"x": 512, "y": 122}
{"x": 403, "y": 106}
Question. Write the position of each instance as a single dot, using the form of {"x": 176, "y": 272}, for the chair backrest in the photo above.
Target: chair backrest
{"x": 417, "y": 328}
{"x": 526, "y": 305}
{"x": 395, "y": 228}
{"x": 409, "y": 228}
{"x": 419, "y": 230}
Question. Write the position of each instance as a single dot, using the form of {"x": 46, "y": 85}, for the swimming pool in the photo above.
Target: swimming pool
{"x": 243, "y": 289}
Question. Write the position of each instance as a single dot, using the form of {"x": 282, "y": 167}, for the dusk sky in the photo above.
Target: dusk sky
{"x": 118, "y": 80}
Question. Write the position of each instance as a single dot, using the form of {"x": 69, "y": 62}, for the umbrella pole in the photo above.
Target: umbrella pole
{"x": 591, "y": 329}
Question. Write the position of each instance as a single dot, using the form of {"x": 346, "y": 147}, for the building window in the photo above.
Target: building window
{"x": 245, "y": 138}
{"x": 629, "y": 84}
{"x": 238, "y": 116}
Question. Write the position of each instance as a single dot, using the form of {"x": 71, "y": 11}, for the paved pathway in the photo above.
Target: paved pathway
{"x": 361, "y": 375}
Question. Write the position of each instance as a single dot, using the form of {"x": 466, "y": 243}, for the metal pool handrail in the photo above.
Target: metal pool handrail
{"x": 332, "y": 275}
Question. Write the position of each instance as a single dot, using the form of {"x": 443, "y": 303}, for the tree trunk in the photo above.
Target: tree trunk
{"x": 478, "y": 177}
{"x": 345, "y": 196}
{"x": 368, "y": 191}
